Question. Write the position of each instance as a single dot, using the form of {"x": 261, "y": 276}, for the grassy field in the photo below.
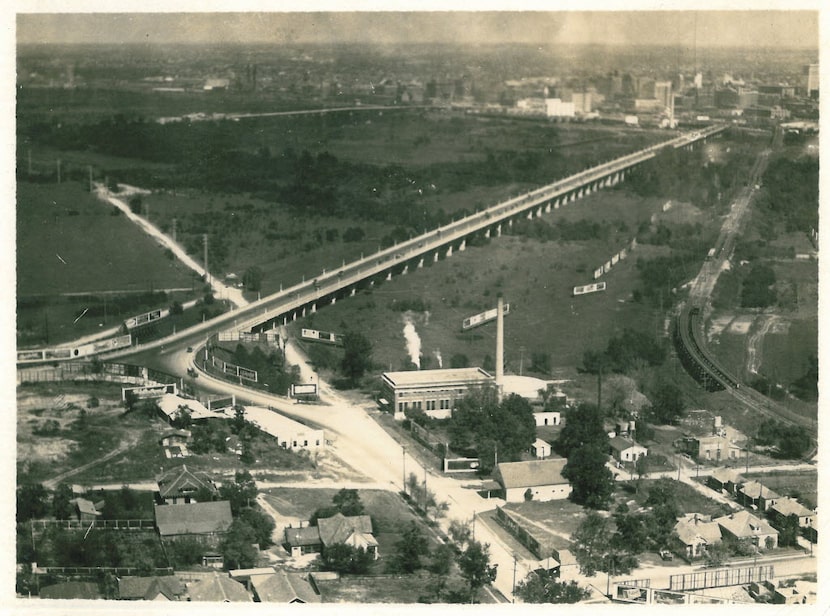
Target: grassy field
{"x": 536, "y": 279}
{"x": 688, "y": 499}
{"x": 69, "y": 241}
{"x": 802, "y": 485}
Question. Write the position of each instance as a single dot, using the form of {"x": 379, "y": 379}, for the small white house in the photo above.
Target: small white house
{"x": 624, "y": 450}
{"x": 538, "y": 480}
{"x": 547, "y": 418}
{"x": 540, "y": 449}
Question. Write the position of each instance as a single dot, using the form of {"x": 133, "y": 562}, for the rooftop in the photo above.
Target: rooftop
{"x": 148, "y": 588}
{"x": 283, "y": 587}
{"x": 170, "y": 404}
{"x": 788, "y": 506}
{"x": 444, "y": 376}
{"x": 753, "y": 489}
{"x": 179, "y": 481}
{"x": 193, "y": 519}
{"x": 531, "y": 473}
{"x": 338, "y": 528}
{"x": 218, "y": 588}
{"x": 621, "y": 444}
{"x": 744, "y": 524}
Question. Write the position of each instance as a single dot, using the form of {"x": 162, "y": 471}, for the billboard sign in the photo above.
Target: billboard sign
{"x": 589, "y": 288}
{"x": 148, "y": 391}
{"x": 147, "y": 317}
{"x": 307, "y": 389}
{"x": 483, "y": 317}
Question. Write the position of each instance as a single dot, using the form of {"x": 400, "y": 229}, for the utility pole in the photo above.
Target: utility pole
{"x": 30, "y": 161}
{"x": 207, "y": 271}
{"x": 90, "y": 178}
{"x": 174, "y": 229}
{"x": 404, "y": 469}
{"x": 59, "y": 170}
{"x": 515, "y": 561}
{"x": 521, "y": 359}
{"x": 425, "y": 488}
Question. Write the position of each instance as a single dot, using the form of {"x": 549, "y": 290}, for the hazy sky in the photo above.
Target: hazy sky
{"x": 712, "y": 28}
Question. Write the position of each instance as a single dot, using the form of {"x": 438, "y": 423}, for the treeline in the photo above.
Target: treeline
{"x": 791, "y": 192}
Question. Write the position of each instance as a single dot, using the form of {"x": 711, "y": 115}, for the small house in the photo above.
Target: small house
{"x": 152, "y": 588}
{"x": 744, "y": 525}
{"x": 303, "y": 540}
{"x": 726, "y": 480}
{"x": 179, "y": 486}
{"x": 625, "y": 450}
{"x": 539, "y": 480}
{"x": 758, "y": 496}
{"x": 206, "y": 519}
{"x": 218, "y": 588}
{"x": 541, "y": 449}
{"x": 282, "y": 587}
{"x": 85, "y": 510}
{"x": 696, "y": 532}
{"x": 786, "y": 507}
{"x": 547, "y": 418}
{"x": 174, "y": 443}
{"x": 355, "y": 531}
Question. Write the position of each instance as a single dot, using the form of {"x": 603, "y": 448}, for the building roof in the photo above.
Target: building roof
{"x": 744, "y": 524}
{"x": 308, "y": 535}
{"x": 193, "y": 519}
{"x": 185, "y": 434}
{"x": 170, "y": 403}
{"x": 444, "y": 376}
{"x": 283, "y": 587}
{"x": 85, "y": 506}
{"x": 339, "y": 528}
{"x": 725, "y": 475}
{"x": 218, "y": 588}
{"x": 693, "y": 532}
{"x": 179, "y": 481}
{"x": 531, "y": 473}
{"x": 148, "y": 588}
{"x": 789, "y": 506}
{"x": 275, "y": 424}
{"x": 71, "y": 590}
{"x": 619, "y": 443}
{"x": 753, "y": 489}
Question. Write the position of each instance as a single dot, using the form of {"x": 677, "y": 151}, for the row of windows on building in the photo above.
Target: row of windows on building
{"x": 418, "y": 405}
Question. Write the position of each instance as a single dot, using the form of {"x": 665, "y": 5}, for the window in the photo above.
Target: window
{"x": 295, "y": 443}
{"x": 400, "y": 406}
{"x": 305, "y": 443}
{"x": 417, "y": 405}
{"x": 318, "y": 442}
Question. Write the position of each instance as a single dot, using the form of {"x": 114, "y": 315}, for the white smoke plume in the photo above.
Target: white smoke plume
{"x": 413, "y": 340}
{"x": 439, "y": 358}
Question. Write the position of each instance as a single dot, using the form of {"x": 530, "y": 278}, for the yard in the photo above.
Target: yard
{"x": 688, "y": 499}
{"x": 802, "y": 485}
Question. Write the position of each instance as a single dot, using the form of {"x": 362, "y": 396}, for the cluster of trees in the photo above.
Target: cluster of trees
{"x": 806, "y": 386}
{"x": 488, "y": 428}
{"x": 791, "y": 192}
{"x": 250, "y": 526}
{"x": 791, "y": 442}
{"x": 661, "y": 275}
{"x": 611, "y": 545}
{"x": 584, "y": 442}
{"x": 269, "y": 364}
{"x": 757, "y": 287}
{"x": 628, "y": 351}
{"x": 545, "y": 587}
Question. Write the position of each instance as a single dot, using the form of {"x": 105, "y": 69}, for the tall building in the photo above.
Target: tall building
{"x": 811, "y": 79}
{"x": 663, "y": 93}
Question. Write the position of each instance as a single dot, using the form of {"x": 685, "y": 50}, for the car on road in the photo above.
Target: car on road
{"x": 666, "y": 555}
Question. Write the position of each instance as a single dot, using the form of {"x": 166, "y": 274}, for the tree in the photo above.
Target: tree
{"x": 252, "y": 278}
{"x": 540, "y": 362}
{"x": 593, "y": 551}
{"x": 176, "y": 308}
{"x": 61, "y": 507}
{"x": 459, "y": 360}
{"x": 345, "y": 559}
{"x": 474, "y": 564}
{"x": 261, "y": 523}
{"x": 583, "y": 426}
{"x": 241, "y": 493}
{"x": 788, "y": 531}
{"x": 544, "y": 587}
{"x": 459, "y": 532}
{"x": 135, "y": 204}
{"x": 409, "y": 550}
{"x": 591, "y": 480}
{"x": 357, "y": 356}
{"x": 441, "y": 560}
{"x": 182, "y": 419}
{"x": 238, "y": 546}
{"x": 667, "y": 402}
{"x": 238, "y": 422}
{"x": 348, "y": 502}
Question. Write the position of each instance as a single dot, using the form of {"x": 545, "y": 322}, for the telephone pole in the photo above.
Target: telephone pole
{"x": 207, "y": 272}
{"x": 59, "y": 170}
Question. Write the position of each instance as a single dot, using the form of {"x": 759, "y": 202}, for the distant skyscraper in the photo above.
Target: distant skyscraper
{"x": 811, "y": 78}
{"x": 663, "y": 93}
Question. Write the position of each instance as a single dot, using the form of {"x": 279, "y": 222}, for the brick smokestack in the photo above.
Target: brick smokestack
{"x": 500, "y": 344}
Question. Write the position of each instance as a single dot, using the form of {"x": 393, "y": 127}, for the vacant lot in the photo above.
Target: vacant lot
{"x": 69, "y": 241}
{"x": 802, "y": 485}
{"x": 59, "y": 429}
{"x": 688, "y": 499}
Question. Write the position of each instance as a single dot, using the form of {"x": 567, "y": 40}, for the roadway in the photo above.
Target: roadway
{"x": 330, "y": 283}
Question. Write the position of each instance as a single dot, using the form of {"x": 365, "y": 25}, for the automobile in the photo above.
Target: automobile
{"x": 666, "y": 555}
{"x": 189, "y": 349}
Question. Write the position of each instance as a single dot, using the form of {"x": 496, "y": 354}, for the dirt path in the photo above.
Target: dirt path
{"x": 755, "y": 341}
{"x": 54, "y": 481}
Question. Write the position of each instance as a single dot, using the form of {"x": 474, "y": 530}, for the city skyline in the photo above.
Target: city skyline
{"x": 724, "y": 29}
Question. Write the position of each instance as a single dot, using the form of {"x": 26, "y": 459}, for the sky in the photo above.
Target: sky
{"x": 710, "y": 28}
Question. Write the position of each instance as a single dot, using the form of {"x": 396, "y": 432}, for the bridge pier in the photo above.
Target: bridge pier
{"x": 462, "y": 246}
{"x": 538, "y": 212}
{"x": 313, "y": 308}
{"x": 389, "y": 275}
{"x": 530, "y": 215}
{"x": 352, "y": 292}
{"x": 333, "y": 301}
{"x": 498, "y": 231}
{"x": 556, "y": 204}
{"x": 303, "y": 310}
{"x": 547, "y": 208}
{"x": 435, "y": 257}
{"x": 449, "y": 251}
{"x": 420, "y": 263}
{"x": 510, "y": 223}
{"x": 487, "y": 233}
{"x": 405, "y": 270}
{"x": 284, "y": 320}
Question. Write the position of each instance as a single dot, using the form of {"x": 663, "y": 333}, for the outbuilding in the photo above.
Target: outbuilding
{"x": 539, "y": 480}
{"x": 625, "y": 450}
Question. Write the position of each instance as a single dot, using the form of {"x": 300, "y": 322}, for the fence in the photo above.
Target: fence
{"x": 96, "y": 570}
{"x": 720, "y": 577}
{"x": 139, "y": 524}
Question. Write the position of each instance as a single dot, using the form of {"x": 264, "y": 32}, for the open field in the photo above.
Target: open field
{"x": 688, "y": 499}
{"x": 67, "y": 240}
{"x": 536, "y": 279}
{"x": 802, "y": 485}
